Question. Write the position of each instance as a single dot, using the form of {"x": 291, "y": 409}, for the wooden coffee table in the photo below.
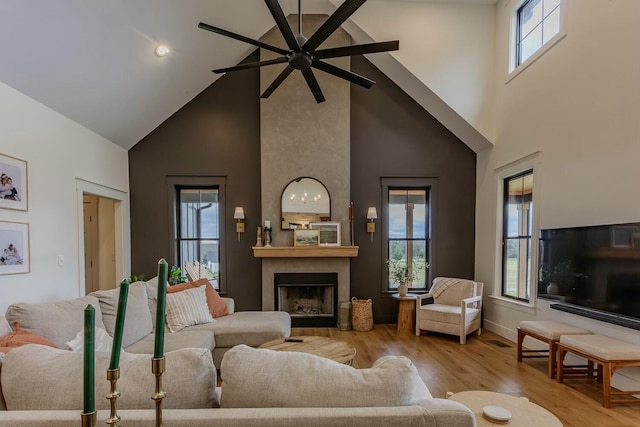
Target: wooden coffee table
{"x": 330, "y": 348}
{"x": 523, "y": 412}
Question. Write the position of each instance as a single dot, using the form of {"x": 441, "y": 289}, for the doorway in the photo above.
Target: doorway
{"x": 99, "y": 243}
{"x": 103, "y": 236}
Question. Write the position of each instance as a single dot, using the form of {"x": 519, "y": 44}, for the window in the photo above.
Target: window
{"x": 407, "y": 232}
{"x": 538, "y": 21}
{"x": 197, "y": 204}
{"x": 517, "y": 230}
{"x": 198, "y": 231}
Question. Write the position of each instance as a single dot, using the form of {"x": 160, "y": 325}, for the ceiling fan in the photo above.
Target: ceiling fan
{"x": 301, "y": 53}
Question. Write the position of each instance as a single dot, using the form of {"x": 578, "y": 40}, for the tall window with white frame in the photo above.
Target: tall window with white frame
{"x": 516, "y": 235}
{"x": 198, "y": 229}
{"x": 538, "y": 21}
{"x": 408, "y": 234}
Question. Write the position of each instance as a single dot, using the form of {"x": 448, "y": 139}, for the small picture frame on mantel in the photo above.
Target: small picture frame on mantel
{"x": 329, "y": 232}
{"x": 306, "y": 237}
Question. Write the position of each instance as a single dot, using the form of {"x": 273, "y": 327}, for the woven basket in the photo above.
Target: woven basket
{"x": 361, "y": 314}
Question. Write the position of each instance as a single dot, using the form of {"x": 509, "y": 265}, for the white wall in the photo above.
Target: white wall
{"x": 447, "y": 46}
{"x": 579, "y": 104}
{"x": 57, "y": 151}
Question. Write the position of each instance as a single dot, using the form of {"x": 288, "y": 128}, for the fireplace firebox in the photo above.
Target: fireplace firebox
{"x": 310, "y": 298}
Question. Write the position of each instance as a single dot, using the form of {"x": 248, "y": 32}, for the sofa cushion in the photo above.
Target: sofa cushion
{"x": 43, "y": 378}
{"x": 216, "y": 305}
{"x": 187, "y": 308}
{"x": 20, "y": 337}
{"x": 137, "y": 320}
{"x": 253, "y": 378}
{"x": 57, "y": 321}
{"x": 248, "y": 327}
{"x": 183, "y": 339}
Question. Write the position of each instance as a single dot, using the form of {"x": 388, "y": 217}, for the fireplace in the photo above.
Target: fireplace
{"x": 310, "y": 298}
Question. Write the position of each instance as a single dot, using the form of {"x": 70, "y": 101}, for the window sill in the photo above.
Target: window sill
{"x": 525, "y": 307}
{"x": 533, "y": 58}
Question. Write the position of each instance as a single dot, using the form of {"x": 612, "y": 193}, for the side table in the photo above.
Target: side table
{"x": 406, "y": 312}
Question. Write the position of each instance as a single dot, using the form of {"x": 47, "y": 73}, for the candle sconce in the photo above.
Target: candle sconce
{"x": 89, "y": 419}
{"x": 238, "y": 215}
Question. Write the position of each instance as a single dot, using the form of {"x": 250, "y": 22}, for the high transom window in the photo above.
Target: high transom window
{"x": 538, "y": 21}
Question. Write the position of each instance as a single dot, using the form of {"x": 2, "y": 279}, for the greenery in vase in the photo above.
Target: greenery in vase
{"x": 137, "y": 278}
{"x": 399, "y": 271}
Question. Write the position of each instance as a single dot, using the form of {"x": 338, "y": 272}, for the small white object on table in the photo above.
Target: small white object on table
{"x": 498, "y": 406}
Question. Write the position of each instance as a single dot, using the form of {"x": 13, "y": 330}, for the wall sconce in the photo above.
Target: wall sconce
{"x": 238, "y": 215}
{"x": 372, "y": 214}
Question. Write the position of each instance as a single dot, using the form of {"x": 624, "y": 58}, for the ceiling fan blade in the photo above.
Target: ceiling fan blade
{"x": 242, "y": 38}
{"x": 252, "y": 65}
{"x": 360, "y": 49}
{"x": 313, "y": 84}
{"x": 277, "y": 82}
{"x": 330, "y": 25}
{"x": 343, "y": 74}
{"x": 283, "y": 24}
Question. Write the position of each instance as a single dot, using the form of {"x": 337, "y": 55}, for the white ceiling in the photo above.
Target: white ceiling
{"x": 93, "y": 61}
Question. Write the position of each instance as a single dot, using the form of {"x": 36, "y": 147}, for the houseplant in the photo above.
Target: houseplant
{"x": 400, "y": 273}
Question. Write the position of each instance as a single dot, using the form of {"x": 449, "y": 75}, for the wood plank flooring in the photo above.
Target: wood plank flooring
{"x": 487, "y": 362}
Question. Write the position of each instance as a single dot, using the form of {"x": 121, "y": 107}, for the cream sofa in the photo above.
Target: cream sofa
{"x": 60, "y": 321}
{"x": 256, "y": 384}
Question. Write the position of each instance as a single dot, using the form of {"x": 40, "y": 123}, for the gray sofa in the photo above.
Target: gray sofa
{"x": 255, "y": 382}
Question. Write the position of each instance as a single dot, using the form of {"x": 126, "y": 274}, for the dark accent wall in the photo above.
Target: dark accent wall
{"x": 394, "y": 137}
{"x": 215, "y": 134}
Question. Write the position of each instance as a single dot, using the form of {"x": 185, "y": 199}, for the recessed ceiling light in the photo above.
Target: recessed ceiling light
{"x": 162, "y": 50}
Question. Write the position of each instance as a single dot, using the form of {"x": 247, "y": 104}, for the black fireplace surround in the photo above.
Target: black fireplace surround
{"x": 310, "y": 298}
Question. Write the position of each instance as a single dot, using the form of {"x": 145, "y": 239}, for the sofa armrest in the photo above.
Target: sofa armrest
{"x": 449, "y": 412}
{"x": 465, "y": 302}
{"x": 231, "y": 305}
{"x": 5, "y": 328}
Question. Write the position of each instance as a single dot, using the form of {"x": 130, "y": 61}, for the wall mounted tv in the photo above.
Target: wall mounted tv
{"x": 593, "y": 271}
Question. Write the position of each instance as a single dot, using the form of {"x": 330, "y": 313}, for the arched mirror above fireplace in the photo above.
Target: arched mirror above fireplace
{"x": 304, "y": 200}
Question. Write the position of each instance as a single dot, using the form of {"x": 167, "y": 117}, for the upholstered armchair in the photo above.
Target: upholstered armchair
{"x": 456, "y": 308}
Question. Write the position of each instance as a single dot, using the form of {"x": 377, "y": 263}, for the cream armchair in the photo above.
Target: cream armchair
{"x": 456, "y": 308}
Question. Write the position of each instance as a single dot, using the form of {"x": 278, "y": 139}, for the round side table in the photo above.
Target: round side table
{"x": 406, "y": 312}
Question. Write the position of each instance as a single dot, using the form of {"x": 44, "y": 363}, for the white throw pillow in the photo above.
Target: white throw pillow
{"x": 253, "y": 378}
{"x": 186, "y": 308}
{"x": 103, "y": 341}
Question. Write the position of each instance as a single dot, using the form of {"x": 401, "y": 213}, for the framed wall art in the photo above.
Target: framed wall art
{"x": 13, "y": 183}
{"x": 305, "y": 237}
{"x": 14, "y": 248}
{"x": 329, "y": 232}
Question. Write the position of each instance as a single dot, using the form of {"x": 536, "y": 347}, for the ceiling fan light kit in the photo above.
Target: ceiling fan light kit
{"x": 301, "y": 53}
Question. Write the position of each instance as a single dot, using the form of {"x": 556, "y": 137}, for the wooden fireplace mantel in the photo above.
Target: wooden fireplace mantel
{"x": 306, "y": 252}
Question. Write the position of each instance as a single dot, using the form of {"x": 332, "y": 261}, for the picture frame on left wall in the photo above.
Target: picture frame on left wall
{"x": 14, "y": 248}
{"x": 13, "y": 183}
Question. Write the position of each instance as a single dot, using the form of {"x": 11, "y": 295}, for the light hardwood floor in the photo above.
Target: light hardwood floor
{"x": 487, "y": 362}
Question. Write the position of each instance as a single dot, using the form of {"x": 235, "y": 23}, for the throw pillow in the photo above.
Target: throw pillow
{"x": 186, "y": 308}
{"x": 217, "y": 307}
{"x": 253, "y": 378}
{"x": 58, "y": 321}
{"x": 103, "y": 341}
{"x": 35, "y": 377}
{"x": 138, "y": 322}
{"x": 20, "y": 337}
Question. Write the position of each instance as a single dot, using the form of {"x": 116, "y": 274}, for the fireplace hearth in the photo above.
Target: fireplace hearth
{"x": 310, "y": 298}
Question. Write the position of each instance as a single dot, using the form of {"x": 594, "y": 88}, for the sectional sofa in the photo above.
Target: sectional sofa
{"x": 42, "y": 386}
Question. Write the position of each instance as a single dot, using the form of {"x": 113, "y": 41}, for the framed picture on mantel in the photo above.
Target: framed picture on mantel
{"x": 329, "y": 232}
{"x": 302, "y": 237}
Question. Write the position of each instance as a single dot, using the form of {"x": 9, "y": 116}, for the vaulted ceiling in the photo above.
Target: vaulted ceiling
{"x": 93, "y": 61}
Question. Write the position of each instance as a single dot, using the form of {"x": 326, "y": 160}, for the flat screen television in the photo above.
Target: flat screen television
{"x": 593, "y": 271}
